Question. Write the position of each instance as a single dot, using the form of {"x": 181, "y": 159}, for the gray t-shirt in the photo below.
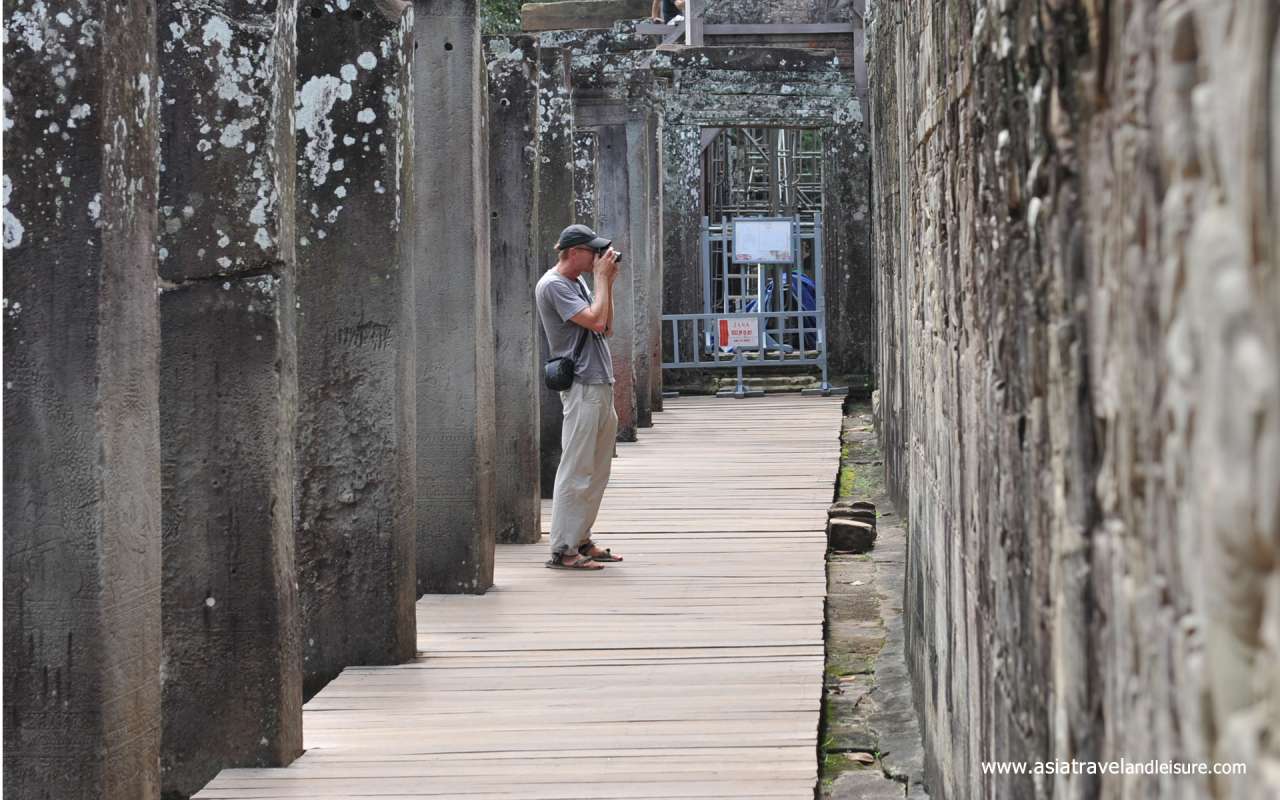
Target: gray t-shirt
{"x": 558, "y": 301}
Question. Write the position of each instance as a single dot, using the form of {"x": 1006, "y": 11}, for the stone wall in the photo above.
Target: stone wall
{"x": 1076, "y": 227}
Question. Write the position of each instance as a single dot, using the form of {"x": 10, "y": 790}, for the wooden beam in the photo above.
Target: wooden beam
{"x": 580, "y": 14}
{"x": 779, "y": 28}
{"x": 717, "y": 29}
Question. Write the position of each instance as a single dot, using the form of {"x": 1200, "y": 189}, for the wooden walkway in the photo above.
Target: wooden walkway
{"x": 691, "y": 670}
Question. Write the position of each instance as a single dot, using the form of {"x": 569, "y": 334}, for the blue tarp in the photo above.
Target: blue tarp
{"x": 802, "y": 285}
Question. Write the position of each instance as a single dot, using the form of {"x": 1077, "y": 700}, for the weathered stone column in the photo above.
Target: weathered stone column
{"x": 453, "y": 303}
{"x": 356, "y": 538}
{"x": 681, "y": 218}
{"x": 614, "y": 217}
{"x": 681, "y": 228}
{"x": 849, "y": 276}
{"x": 555, "y": 212}
{"x": 681, "y": 225}
{"x": 585, "y": 207}
{"x": 228, "y": 390}
{"x": 655, "y": 203}
{"x": 517, "y": 265}
{"x": 81, "y": 417}
{"x": 646, "y": 325}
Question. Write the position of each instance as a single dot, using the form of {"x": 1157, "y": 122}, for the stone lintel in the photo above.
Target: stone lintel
{"x": 670, "y": 57}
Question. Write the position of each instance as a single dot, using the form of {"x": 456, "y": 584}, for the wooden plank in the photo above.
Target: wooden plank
{"x": 707, "y": 640}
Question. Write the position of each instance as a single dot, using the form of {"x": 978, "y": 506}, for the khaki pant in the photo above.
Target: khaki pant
{"x": 586, "y": 443}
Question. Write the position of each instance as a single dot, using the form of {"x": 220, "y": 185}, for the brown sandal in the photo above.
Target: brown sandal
{"x": 579, "y": 563}
{"x": 586, "y": 547}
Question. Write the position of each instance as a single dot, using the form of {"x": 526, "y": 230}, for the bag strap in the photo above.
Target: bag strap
{"x": 582, "y": 336}
{"x": 582, "y": 340}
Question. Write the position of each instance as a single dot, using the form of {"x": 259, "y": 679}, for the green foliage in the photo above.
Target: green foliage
{"x": 500, "y": 16}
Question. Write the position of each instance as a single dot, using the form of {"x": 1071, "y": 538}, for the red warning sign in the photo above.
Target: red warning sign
{"x": 739, "y": 332}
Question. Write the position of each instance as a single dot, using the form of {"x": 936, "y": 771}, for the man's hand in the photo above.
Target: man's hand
{"x": 605, "y": 266}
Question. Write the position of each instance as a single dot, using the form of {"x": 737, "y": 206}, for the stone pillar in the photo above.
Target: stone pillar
{"x": 640, "y": 267}
{"x": 849, "y": 279}
{"x": 654, "y": 200}
{"x": 453, "y": 303}
{"x": 681, "y": 218}
{"x": 555, "y": 212}
{"x": 81, "y": 416}
{"x": 355, "y": 538}
{"x": 584, "y": 177}
{"x": 612, "y": 195}
{"x": 681, "y": 228}
{"x": 517, "y": 265}
{"x": 228, "y": 390}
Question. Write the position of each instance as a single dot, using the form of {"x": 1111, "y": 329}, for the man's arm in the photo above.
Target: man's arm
{"x": 656, "y": 11}
{"x": 598, "y": 316}
{"x": 608, "y": 324}
{"x": 595, "y": 317}
{"x": 609, "y": 273}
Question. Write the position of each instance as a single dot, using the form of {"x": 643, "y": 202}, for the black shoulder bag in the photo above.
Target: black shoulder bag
{"x": 558, "y": 372}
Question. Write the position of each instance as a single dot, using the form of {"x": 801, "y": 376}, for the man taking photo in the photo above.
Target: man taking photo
{"x": 569, "y": 315}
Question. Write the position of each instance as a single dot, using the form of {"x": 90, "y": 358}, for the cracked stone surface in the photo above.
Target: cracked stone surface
{"x": 1080, "y": 384}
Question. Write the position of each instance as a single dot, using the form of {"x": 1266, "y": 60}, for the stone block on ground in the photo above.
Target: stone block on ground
{"x": 839, "y": 511}
{"x": 850, "y": 535}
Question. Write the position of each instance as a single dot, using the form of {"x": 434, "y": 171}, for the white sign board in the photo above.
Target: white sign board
{"x": 762, "y": 241}
{"x": 739, "y": 332}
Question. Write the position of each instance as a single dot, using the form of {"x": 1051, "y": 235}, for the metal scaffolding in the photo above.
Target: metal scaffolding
{"x": 763, "y": 172}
